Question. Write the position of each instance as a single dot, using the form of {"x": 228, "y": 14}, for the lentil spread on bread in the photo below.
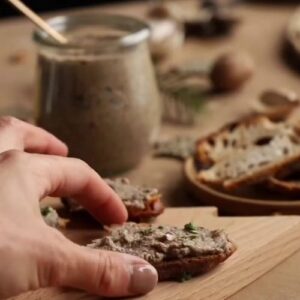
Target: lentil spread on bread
{"x": 132, "y": 196}
{"x": 140, "y": 202}
{"x": 172, "y": 250}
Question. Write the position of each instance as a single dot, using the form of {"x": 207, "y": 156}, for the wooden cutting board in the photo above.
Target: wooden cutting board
{"x": 263, "y": 242}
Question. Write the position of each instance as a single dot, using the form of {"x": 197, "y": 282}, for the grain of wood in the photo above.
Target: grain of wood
{"x": 263, "y": 242}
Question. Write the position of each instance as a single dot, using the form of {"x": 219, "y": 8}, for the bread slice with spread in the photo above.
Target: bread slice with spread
{"x": 176, "y": 253}
{"x": 246, "y": 152}
{"x": 140, "y": 202}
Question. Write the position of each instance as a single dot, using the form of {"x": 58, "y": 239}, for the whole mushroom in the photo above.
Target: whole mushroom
{"x": 231, "y": 70}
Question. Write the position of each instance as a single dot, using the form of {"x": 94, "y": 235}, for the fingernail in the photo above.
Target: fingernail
{"x": 143, "y": 279}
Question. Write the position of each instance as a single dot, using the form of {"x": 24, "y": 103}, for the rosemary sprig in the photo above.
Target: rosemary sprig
{"x": 190, "y": 96}
{"x": 183, "y": 86}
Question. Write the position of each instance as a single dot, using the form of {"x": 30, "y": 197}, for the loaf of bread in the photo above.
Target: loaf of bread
{"x": 246, "y": 152}
{"x": 175, "y": 252}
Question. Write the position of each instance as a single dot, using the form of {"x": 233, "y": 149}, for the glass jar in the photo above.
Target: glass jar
{"x": 98, "y": 93}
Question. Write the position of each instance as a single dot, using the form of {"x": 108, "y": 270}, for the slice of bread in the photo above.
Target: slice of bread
{"x": 141, "y": 202}
{"x": 246, "y": 152}
{"x": 175, "y": 252}
{"x": 237, "y": 135}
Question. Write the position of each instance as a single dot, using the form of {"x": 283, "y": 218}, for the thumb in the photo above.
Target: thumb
{"x": 103, "y": 273}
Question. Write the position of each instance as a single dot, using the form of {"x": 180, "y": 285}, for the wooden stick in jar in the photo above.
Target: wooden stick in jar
{"x": 38, "y": 21}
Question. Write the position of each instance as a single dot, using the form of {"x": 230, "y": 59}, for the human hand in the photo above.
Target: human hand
{"x": 34, "y": 255}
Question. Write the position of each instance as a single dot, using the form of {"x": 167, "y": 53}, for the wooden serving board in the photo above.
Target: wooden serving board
{"x": 263, "y": 242}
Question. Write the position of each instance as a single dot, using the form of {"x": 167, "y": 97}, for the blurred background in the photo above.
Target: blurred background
{"x": 6, "y": 10}
{"x": 50, "y": 5}
{"x": 215, "y": 60}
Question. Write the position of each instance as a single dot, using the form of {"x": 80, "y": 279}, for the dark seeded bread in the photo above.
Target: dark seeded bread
{"x": 246, "y": 152}
{"x": 141, "y": 203}
{"x": 173, "y": 251}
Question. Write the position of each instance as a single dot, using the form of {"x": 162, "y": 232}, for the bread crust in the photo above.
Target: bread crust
{"x": 175, "y": 269}
{"x": 154, "y": 208}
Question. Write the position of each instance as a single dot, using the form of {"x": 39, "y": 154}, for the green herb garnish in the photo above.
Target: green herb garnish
{"x": 147, "y": 231}
{"x": 185, "y": 277}
{"x": 190, "y": 227}
{"x": 46, "y": 211}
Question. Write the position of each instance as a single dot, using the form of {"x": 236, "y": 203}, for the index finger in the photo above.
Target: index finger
{"x": 70, "y": 177}
{"x": 19, "y": 135}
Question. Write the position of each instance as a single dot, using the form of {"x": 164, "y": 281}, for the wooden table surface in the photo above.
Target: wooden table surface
{"x": 260, "y": 34}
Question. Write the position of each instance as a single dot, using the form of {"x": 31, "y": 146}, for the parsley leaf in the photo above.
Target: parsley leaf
{"x": 147, "y": 231}
{"x": 185, "y": 277}
{"x": 190, "y": 227}
{"x": 46, "y": 211}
